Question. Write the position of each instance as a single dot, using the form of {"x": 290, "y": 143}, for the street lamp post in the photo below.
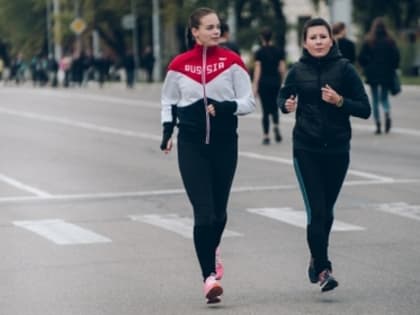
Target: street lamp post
{"x": 77, "y": 16}
{"x": 341, "y": 11}
{"x": 48, "y": 15}
{"x": 57, "y": 30}
{"x": 156, "y": 42}
{"x": 135, "y": 39}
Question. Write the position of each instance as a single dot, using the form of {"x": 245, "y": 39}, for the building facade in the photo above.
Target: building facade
{"x": 297, "y": 12}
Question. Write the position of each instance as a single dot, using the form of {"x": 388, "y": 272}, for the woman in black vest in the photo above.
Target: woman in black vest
{"x": 325, "y": 90}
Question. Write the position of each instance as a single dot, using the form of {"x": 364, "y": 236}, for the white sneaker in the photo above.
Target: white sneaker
{"x": 212, "y": 289}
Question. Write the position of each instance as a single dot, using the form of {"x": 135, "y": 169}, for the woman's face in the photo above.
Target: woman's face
{"x": 318, "y": 41}
{"x": 208, "y": 33}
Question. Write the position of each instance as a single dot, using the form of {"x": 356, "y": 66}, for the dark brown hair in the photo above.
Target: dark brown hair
{"x": 194, "y": 21}
{"x": 315, "y": 22}
{"x": 338, "y": 27}
{"x": 378, "y": 31}
{"x": 266, "y": 34}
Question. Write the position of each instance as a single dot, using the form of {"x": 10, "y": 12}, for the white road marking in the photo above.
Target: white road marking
{"x": 370, "y": 176}
{"x": 298, "y": 218}
{"x": 129, "y": 133}
{"x": 175, "y": 223}
{"x": 156, "y": 105}
{"x": 354, "y": 126}
{"x": 262, "y": 157}
{"x": 90, "y": 97}
{"x": 17, "y": 184}
{"x": 164, "y": 192}
{"x": 286, "y": 161}
{"x": 80, "y": 124}
{"x": 373, "y": 178}
{"x": 401, "y": 209}
{"x": 61, "y": 232}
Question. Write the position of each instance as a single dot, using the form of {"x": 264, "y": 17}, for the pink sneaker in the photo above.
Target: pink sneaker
{"x": 212, "y": 289}
{"x": 219, "y": 266}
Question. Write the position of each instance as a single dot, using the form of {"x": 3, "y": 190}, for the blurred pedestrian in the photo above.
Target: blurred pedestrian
{"x": 345, "y": 45}
{"x": 17, "y": 69}
{"x": 380, "y": 57}
{"x": 206, "y": 88}
{"x": 225, "y": 40}
{"x": 53, "y": 70}
{"x": 324, "y": 90}
{"x": 130, "y": 68}
{"x": 102, "y": 64}
{"x": 1, "y": 68}
{"x": 269, "y": 69}
{"x": 148, "y": 62}
{"x": 65, "y": 67}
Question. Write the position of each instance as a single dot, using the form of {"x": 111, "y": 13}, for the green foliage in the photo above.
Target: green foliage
{"x": 22, "y": 25}
{"x": 23, "y": 22}
{"x": 401, "y": 14}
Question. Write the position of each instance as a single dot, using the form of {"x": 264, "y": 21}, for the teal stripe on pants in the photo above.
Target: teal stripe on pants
{"x": 303, "y": 190}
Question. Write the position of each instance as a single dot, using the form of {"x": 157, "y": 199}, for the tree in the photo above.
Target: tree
{"x": 402, "y": 14}
{"x": 21, "y": 22}
{"x": 27, "y": 19}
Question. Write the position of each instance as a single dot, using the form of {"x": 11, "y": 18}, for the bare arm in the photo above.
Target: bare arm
{"x": 282, "y": 69}
{"x": 256, "y": 77}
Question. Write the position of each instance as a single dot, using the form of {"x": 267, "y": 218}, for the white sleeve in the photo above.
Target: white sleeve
{"x": 243, "y": 91}
{"x": 170, "y": 96}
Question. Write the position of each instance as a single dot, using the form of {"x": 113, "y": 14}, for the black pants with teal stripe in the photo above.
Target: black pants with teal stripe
{"x": 207, "y": 171}
{"x": 320, "y": 177}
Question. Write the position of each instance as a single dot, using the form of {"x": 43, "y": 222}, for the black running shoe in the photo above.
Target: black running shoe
{"x": 326, "y": 281}
{"x": 313, "y": 277}
{"x": 277, "y": 135}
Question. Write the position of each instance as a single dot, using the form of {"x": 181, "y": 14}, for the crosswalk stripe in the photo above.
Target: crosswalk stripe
{"x": 298, "y": 218}
{"x": 401, "y": 209}
{"x": 175, "y": 223}
{"x": 61, "y": 232}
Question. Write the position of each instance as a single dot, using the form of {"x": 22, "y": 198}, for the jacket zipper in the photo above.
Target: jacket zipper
{"x": 321, "y": 107}
{"x": 203, "y": 83}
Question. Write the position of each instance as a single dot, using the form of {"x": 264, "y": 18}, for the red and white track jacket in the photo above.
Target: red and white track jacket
{"x": 225, "y": 83}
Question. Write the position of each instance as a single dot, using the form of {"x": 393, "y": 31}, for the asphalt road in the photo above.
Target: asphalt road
{"x": 94, "y": 219}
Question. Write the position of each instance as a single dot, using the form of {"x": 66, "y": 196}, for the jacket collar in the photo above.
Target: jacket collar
{"x": 209, "y": 50}
{"x": 333, "y": 54}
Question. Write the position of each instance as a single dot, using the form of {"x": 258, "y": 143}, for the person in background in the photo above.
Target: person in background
{"x": 130, "y": 69}
{"x": 345, "y": 45}
{"x": 52, "y": 70}
{"x": 225, "y": 40}
{"x": 324, "y": 90}
{"x": 1, "y": 68}
{"x": 269, "y": 69}
{"x": 379, "y": 58}
{"x": 148, "y": 62}
{"x": 205, "y": 90}
{"x": 65, "y": 66}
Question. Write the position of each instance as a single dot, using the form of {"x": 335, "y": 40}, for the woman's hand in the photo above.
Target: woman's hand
{"x": 211, "y": 110}
{"x": 329, "y": 95}
{"x": 291, "y": 104}
{"x": 168, "y": 147}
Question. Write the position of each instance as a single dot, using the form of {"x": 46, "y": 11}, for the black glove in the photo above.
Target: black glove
{"x": 223, "y": 108}
{"x": 168, "y": 129}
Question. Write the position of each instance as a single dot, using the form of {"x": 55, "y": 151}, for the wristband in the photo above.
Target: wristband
{"x": 340, "y": 102}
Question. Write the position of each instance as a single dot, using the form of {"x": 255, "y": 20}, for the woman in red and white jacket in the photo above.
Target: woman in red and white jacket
{"x": 204, "y": 91}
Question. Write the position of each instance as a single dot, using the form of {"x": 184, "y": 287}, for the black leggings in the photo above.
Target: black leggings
{"x": 320, "y": 178}
{"x": 268, "y": 97}
{"x": 207, "y": 171}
